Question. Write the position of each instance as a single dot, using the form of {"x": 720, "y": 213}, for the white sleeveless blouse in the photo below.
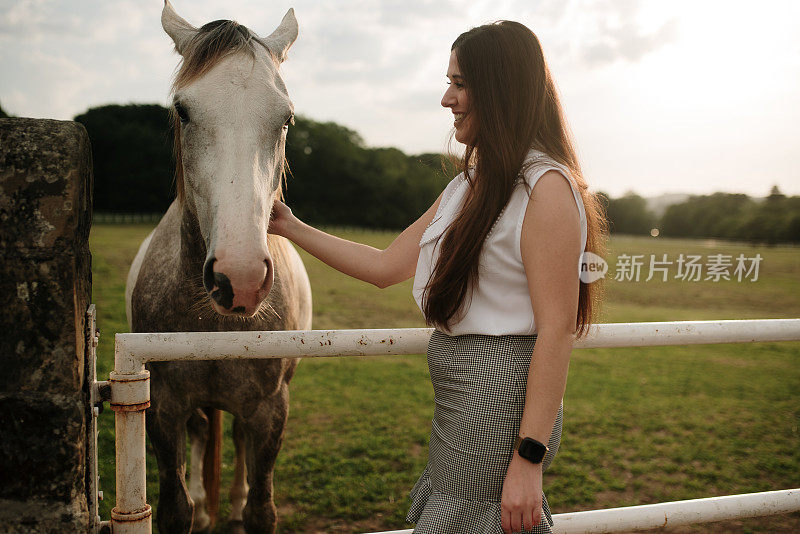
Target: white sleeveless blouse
{"x": 500, "y": 302}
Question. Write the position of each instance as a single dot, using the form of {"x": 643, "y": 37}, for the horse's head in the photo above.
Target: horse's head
{"x": 231, "y": 113}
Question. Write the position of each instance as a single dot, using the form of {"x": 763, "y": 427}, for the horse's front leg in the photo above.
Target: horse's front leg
{"x": 264, "y": 432}
{"x": 166, "y": 428}
{"x": 239, "y": 487}
{"x": 198, "y": 437}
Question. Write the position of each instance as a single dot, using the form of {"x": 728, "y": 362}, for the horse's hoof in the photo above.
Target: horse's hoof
{"x": 236, "y": 527}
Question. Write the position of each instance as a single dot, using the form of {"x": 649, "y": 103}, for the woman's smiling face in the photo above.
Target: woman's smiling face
{"x": 457, "y": 99}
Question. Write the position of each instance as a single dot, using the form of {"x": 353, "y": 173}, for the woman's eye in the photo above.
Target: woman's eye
{"x": 181, "y": 111}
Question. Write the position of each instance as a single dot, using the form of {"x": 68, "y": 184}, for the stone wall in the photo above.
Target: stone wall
{"x": 45, "y": 283}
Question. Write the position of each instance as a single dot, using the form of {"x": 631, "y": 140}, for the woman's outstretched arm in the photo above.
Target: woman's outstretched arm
{"x": 381, "y": 268}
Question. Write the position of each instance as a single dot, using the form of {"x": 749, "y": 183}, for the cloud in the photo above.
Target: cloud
{"x": 613, "y": 32}
{"x": 27, "y": 20}
{"x": 403, "y": 13}
{"x": 53, "y": 82}
{"x": 38, "y": 21}
{"x": 378, "y": 66}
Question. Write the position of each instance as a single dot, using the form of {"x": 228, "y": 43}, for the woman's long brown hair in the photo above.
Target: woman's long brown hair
{"x": 515, "y": 107}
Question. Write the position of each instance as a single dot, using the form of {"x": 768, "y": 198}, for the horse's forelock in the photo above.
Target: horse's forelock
{"x": 213, "y": 42}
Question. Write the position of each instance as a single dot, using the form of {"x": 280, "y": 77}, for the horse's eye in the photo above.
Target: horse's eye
{"x": 181, "y": 111}
{"x": 289, "y": 121}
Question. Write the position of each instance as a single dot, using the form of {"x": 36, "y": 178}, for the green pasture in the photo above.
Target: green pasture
{"x": 641, "y": 425}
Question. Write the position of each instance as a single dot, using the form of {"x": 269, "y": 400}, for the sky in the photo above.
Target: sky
{"x": 679, "y": 96}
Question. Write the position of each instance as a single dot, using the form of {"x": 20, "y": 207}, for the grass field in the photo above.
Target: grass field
{"x": 641, "y": 425}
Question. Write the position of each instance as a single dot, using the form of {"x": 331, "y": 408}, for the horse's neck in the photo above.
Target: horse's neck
{"x": 193, "y": 248}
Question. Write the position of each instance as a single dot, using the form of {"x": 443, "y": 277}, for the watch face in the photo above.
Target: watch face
{"x": 532, "y": 450}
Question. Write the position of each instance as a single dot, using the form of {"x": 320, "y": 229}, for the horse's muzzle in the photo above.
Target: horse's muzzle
{"x": 237, "y": 288}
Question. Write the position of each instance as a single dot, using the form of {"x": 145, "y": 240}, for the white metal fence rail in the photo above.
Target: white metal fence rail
{"x": 671, "y": 514}
{"x": 130, "y": 396}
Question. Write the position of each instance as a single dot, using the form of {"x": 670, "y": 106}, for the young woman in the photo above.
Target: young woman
{"x": 499, "y": 247}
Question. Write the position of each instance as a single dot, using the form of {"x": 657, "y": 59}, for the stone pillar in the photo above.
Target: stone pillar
{"x": 45, "y": 283}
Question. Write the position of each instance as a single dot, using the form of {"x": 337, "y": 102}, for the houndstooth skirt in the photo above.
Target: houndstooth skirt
{"x": 479, "y": 384}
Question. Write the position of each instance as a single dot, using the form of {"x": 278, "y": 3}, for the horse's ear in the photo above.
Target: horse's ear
{"x": 177, "y": 28}
{"x": 282, "y": 38}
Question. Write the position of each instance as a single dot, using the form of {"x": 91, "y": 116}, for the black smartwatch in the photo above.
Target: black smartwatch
{"x": 530, "y": 449}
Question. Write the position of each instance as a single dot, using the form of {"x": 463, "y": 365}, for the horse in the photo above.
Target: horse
{"x": 210, "y": 265}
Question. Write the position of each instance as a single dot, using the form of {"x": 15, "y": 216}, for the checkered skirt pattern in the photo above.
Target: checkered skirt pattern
{"x": 479, "y": 384}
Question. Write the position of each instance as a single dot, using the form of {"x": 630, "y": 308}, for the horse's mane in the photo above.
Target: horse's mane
{"x": 212, "y": 43}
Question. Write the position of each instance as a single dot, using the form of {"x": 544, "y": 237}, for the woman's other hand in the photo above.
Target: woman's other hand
{"x": 521, "y": 501}
{"x": 281, "y": 219}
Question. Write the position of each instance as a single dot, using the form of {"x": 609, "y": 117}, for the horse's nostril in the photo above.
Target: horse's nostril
{"x": 223, "y": 294}
{"x": 208, "y": 273}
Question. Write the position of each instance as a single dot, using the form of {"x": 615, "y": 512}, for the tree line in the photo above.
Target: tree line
{"x": 336, "y": 179}
{"x": 733, "y": 216}
{"x": 333, "y": 177}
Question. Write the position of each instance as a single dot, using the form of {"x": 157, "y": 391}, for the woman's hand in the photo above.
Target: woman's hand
{"x": 281, "y": 219}
{"x": 521, "y": 502}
